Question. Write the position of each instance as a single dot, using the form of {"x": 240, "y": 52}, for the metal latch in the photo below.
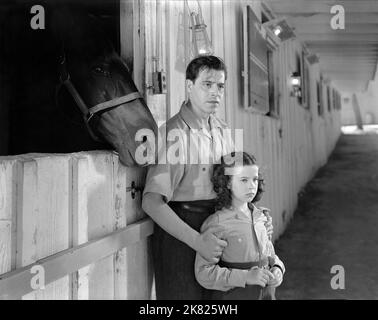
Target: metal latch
{"x": 133, "y": 189}
{"x": 159, "y": 82}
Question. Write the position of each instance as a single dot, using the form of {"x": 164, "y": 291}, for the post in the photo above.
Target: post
{"x": 357, "y": 112}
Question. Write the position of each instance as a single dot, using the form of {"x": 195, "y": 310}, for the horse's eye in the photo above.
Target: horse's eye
{"x": 98, "y": 70}
{"x": 101, "y": 71}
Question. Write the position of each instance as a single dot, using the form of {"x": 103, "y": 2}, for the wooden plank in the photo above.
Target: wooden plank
{"x": 359, "y": 57}
{"x": 139, "y": 45}
{"x": 217, "y": 34}
{"x": 367, "y": 28}
{"x": 120, "y": 266}
{"x": 95, "y": 195}
{"x": 229, "y": 38}
{"x": 138, "y": 256}
{"x": 155, "y": 39}
{"x": 8, "y": 205}
{"x": 177, "y": 29}
{"x": 80, "y": 189}
{"x": 43, "y": 216}
{"x": 16, "y": 283}
{"x": 139, "y": 270}
{"x": 7, "y": 188}
{"x": 339, "y": 37}
{"x": 325, "y": 18}
{"x": 323, "y": 6}
{"x": 5, "y": 246}
{"x": 127, "y": 32}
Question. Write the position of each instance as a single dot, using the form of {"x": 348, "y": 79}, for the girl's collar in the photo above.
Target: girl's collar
{"x": 241, "y": 213}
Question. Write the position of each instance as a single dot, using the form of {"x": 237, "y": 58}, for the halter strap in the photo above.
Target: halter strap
{"x": 113, "y": 103}
{"x": 79, "y": 101}
{"x": 81, "y": 104}
{"x": 88, "y": 113}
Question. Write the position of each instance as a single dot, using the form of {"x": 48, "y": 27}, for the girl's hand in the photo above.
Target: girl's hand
{"x": 259, "y": 276}
{"x": 278, "y": 277}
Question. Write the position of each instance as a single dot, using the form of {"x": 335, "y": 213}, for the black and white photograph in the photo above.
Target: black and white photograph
{"x": 205, "y": 152}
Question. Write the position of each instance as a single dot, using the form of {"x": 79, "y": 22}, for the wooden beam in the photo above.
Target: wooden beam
{"x": 327, "y": 29}
{"x": 349, "y": 55}
{"x": 325, "y": 18}
{"x": 8, "y": 204}
{"x": 357, "y": 61}
{"x": 324, "y": 6}
{"x": 339, "y": 37}
{"x": 344, "y": 45}
{"x": 15, "y": 284}
{"x": 126, "y": 32}
{"x": 345, "y": 53}
{"x": 357, "y": 112}
{"x": 347, "y": 77}
{"x": 350, "y": 70}
{"x": 43, "y": 215}
{"x": 344, "y": 50}
{"x": 352, "y": 62}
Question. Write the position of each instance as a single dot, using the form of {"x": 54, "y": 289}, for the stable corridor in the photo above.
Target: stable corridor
{"x": 335, "y": 223}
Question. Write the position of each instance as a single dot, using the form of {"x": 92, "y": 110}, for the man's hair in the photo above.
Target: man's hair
{"x": 221, "y": 179}
{"x": 202, "y": 63}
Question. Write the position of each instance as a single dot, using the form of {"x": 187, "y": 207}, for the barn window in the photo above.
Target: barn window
{"x": 259, "y": 67}
{"x": 334, "y": 99}
{"x": 329, "y": 98}
{"x": 338, "y": 100}
{"x": 319, "y": 96}
{"x": 273, "y": 80}
{"x": 305, "y": 81}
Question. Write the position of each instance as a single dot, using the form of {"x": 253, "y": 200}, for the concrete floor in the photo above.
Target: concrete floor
{"x": 336, "y": 223}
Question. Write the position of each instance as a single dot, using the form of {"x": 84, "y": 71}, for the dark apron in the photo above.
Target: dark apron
{"x": 250, "y": 292}
{"x": 174, "y": 260}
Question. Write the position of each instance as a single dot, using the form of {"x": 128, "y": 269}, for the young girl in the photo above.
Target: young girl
{"x": 248, "y": 267}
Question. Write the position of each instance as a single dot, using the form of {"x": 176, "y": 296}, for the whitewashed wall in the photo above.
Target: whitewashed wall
{"x": 307, "y": 139}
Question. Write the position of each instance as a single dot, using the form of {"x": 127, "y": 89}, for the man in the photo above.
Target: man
{"x": 178, "y": 194}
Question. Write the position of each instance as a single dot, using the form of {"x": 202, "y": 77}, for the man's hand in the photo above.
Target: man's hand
{"x": 278, "y": 277}
{"x": 209, "y": 246}
{"x": 269, "y": 223}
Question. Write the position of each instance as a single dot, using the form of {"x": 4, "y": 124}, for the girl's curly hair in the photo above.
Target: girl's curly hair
{"x": 221, "y": 180}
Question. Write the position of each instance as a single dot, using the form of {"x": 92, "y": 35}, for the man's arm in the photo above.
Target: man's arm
{"x": 206, "y": 244}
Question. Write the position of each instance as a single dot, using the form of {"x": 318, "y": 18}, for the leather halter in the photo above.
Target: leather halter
{"x": 88, "y": 113}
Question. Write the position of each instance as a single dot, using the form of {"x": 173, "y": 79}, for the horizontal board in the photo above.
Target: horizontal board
{"x": 16, "y": 283}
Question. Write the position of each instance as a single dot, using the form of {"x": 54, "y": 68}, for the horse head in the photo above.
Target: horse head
{"x": 101, "y": 84}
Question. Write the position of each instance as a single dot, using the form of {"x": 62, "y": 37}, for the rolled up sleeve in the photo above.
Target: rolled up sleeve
{"x": 164, "y": 177}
